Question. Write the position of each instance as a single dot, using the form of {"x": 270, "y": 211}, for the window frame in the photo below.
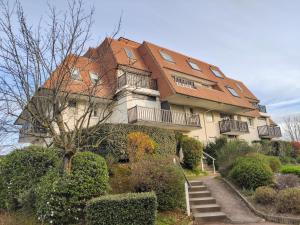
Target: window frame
{"x": 217, "y": 72}
{"x": 251, "y": 124}
{"x": 232, "y": 91}
{"x": 194, "y": 65}
{"x": 72, "y": 73}
{"x": 167, "y": 57}
{"x": 212, "y": 117}
{"x": 96, "y": 74}
{"x": 129, "y": 53}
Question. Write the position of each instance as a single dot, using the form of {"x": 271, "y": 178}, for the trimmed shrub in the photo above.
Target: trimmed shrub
{"x": 22, "y": 169}
{"x": 192, "y": 152}
{"x": 291, "y": 169}
{"x": 213, "y": 148}
{"x": 139, "y": 144}
{"x": 60, "y": 199}
{"x": 125, "y": 209}
{"x": 230, "y": 152}
{"x": 163, "y": 177}
{"x": 286, "y": 181}
{"x": 265, "y": 195}
{"x": 288, "y": 200}
{"x": 250, "y": 173}
{"x": 114, "y": 138}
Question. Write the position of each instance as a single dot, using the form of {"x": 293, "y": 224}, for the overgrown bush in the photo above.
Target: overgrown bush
{"x": 265, "y": 195}
{"x": 125, "y": 209}
{"x": 164, "y": 178}
{"x": 288, "y": 200}
{"x": 114, "y": 138}
{"x": 293, "y": 169}
{"x": 286, "y": 181}
{"x": 21, "y": 170}
{"x": 139, "y": 144}
{"x": 250, "y": 173}
{"x": 282, "y": 149}
{"x": 213, "y": 148}
{"x": 272, "y": 161}
{"x": 60, "y": 199}
{"x": 120, "y": 179}
{"x": 192, "y": 152}
{"x": 230, "y": 152}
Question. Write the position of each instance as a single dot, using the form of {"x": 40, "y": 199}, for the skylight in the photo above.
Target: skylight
{"x": 216, "y": 72}
{"x": 194, "y": 65}
{"x": 129, "y": 53}
{"x": 166, "y": 56}
{"x": 75, "y": 73}
{"x": 232, "y": 91}
{"x": 94, "y": 77}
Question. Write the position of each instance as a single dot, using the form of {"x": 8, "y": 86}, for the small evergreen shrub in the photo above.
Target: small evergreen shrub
{"x": 125, "y": 209}
{"x": 164, "y": 178}
{"x": 60, "y": 199}
{"x": 192, "y": 152}
{"x": 139, "y": 144}
{"x": 265, "y": 195}
{"x": 293, "y": 169}
{"x": 288, "y": 200}
{"x": 114, "y": 138}
{"x": 213, "y": 148}
{"x": 22, "y": 169}
{"x": 230, "y": 152}
{"x": 250, "y": 173}
{"x": 287, "y": 181}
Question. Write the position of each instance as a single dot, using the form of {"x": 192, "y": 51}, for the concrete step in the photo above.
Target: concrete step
{"x": 202, "y": 201}
{"x": 196, "y": 182}
{"x": 206, "y": 208}
{"x": 210, "y": 217}
{"x": 199, "y": 194}
{"x": 198, "y": 188}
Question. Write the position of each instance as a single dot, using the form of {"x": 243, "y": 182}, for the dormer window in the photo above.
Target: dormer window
{"x": 239, "y": 86}
{"x": 94, "y": 78}
{"x": 166, "y": 56}
{"x": 75, "y": 74}
{"x": 194, "y": 66}
{"x": 216, "y": 72}
{"x": 129, "y": 53}
{"x": 184, "y": 82}
{"x": 232, "y": 91}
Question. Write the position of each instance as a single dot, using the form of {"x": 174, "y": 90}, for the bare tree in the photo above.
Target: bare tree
{"x": 36, "y": 69}
{"x": 292, "y": 127}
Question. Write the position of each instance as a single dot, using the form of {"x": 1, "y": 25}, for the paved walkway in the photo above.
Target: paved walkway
{"x": 231, "y": 204}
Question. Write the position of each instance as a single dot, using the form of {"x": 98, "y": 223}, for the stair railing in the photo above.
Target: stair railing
{"x": 212, "y": 158}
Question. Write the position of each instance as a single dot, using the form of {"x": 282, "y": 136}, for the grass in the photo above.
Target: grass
{"x": 293, "y": 169}
{"x": 193, "y": 174}
{"x": 18, "y": 218}
{"x": 172, "y": 218}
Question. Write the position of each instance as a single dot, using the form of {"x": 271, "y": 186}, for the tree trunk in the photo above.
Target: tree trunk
{"x": 68, "y": 163}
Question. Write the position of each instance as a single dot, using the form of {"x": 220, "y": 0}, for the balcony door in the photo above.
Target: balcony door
{"x": 166, "y": 114}
{"x": 225, "y": 116}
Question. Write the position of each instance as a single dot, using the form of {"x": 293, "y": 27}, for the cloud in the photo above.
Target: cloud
{"x": 284, "y": 103}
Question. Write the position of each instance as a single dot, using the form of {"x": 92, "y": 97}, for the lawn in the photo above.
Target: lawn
{"x": 294, "y": 169}
{"x": 173, "y": 218}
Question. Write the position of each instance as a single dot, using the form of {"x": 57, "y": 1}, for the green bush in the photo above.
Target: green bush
{"x": 282, "y": 149}
{"x": 192, "y": 152}
{"x": 115, "y": 139}
{"x": 265, "y": 195}
{"x": 298, "y": 159}
{"x": 213, "y": 148}
{"x": 2, "y": 186}
{"x": 22, "y": 169}
{"x": 250, "y": 173}
{"x": 290, "y": 169}
{"x": 272, "y": 161}
{"x": 288, "y": 200}
{"x": 164, "y": 178}
{"x": 60, "y": 199}
{"x": 230, "y": 152}
{"x": 123, "y": 209}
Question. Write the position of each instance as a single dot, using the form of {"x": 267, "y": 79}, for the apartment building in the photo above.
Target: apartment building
{"x": 159, "y": 87}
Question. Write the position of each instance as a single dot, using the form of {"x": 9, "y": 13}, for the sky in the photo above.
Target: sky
{"x": 254, "y": 41}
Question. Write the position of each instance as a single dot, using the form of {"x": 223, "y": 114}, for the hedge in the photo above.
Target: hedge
{"x": 122, "y": 209}
{"x": 192, "y": 152}
{"x": 291, "y": 169}
{"x": 114, "y": 138}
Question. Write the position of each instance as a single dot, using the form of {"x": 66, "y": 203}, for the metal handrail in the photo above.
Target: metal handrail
{"x": 213, "y": 159}
{"x": 181, "y": 169}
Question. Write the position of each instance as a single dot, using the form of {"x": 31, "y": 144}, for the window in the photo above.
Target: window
{"x": 129, "y": 53}
{"x": 194, "y": 66}
{"x": 232, "y": 91}
{"x": 251, "y": 122}
{"x": 239, "y": 86}
{"x": 94, "y": 77}
{"x": 166, "y": 56}
{"x": 75, "y": 73}
{"x": 239, "y": 118}
{"x": 184, "y": 82}
{"x": 72, "y": 104}
{"x": 209, "y": 117}
{"x": 216, "y": 72}
{"x": 225, "y": 116}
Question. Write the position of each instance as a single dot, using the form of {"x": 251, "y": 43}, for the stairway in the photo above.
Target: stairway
{"x": 203, "y": 206}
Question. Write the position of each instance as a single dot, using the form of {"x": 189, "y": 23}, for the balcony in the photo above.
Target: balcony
{"x": 269, "y": 131}
{"x": 163, "y": 118}
{"x": 29, "y": 132}
{"x": 262, "y": 108}
{"x": 137, "y": 81}
{"x": 233, "y": 127}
